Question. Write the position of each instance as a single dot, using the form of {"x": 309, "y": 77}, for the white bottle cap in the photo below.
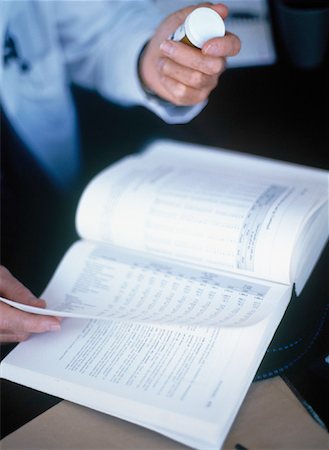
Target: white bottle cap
{"x": 203, "y": 24}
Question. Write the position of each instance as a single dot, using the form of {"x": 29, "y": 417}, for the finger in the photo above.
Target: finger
{"x": 220, "y": 8}
{"x": 187, "y": 76}
{"x": 191, "y": 57}
{"x": 19, "y": 322}
{"x": 6, "y": 337}
{"x": 13, "y": 289}
{"x": 181, "y": 95}
{"x": 229, "y": 45}
{"x": 181, "y": 14}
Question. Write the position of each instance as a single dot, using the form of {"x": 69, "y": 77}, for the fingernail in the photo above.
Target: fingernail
{"x": 167, "y": 47}
{"x": 37, "y": 302}
{"x": 210, "y": 50}
{"x": 54, "y": 327}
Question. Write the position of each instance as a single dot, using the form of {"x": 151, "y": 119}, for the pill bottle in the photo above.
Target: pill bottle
{"x": 199, "y": 26}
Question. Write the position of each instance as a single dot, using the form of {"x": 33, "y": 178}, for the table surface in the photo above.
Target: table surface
{"x": 271, "y": 417}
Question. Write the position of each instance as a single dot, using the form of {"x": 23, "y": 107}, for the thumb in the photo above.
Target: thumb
{"x": 14, "y": 290}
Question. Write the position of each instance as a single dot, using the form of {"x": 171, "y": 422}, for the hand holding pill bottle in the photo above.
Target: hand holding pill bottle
{"x": 199, "y": 26}
{"x": 181, "y": 74}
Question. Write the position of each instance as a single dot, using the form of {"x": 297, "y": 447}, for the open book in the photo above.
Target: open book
{"x": 186, "y": 264}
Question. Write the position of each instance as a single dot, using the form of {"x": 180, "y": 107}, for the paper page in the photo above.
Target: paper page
{"x": 310, "y": 247}
{"x": 250, "y": 21}
{"x": 185, "y": 382}
{"x": 99, "y": 281}
{"x": 214, "y": 209}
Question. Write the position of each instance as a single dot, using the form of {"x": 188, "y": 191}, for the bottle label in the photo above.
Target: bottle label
{"x": 179, "y": 34}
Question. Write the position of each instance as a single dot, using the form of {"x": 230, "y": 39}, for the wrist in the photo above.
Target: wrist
{"x": 150, "y": 93}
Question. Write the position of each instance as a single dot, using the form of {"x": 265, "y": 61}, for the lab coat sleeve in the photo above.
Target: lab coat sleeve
{"x": 101, "y": 43}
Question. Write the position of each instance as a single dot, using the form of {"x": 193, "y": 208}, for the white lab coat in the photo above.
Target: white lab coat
{"x": 95, "y": 44}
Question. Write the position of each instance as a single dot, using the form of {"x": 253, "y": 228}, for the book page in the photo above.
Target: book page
{"x": 100, "y": 281}
{"x": 214, "y": 209}
{"x": 185, "y": 382}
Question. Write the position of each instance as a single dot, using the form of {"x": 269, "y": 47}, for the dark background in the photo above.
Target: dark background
{"x": 279, "y": 111}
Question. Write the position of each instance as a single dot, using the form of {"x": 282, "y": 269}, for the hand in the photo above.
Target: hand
{"x": 181, "y": 74}
{"x": 16, "y": 325}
